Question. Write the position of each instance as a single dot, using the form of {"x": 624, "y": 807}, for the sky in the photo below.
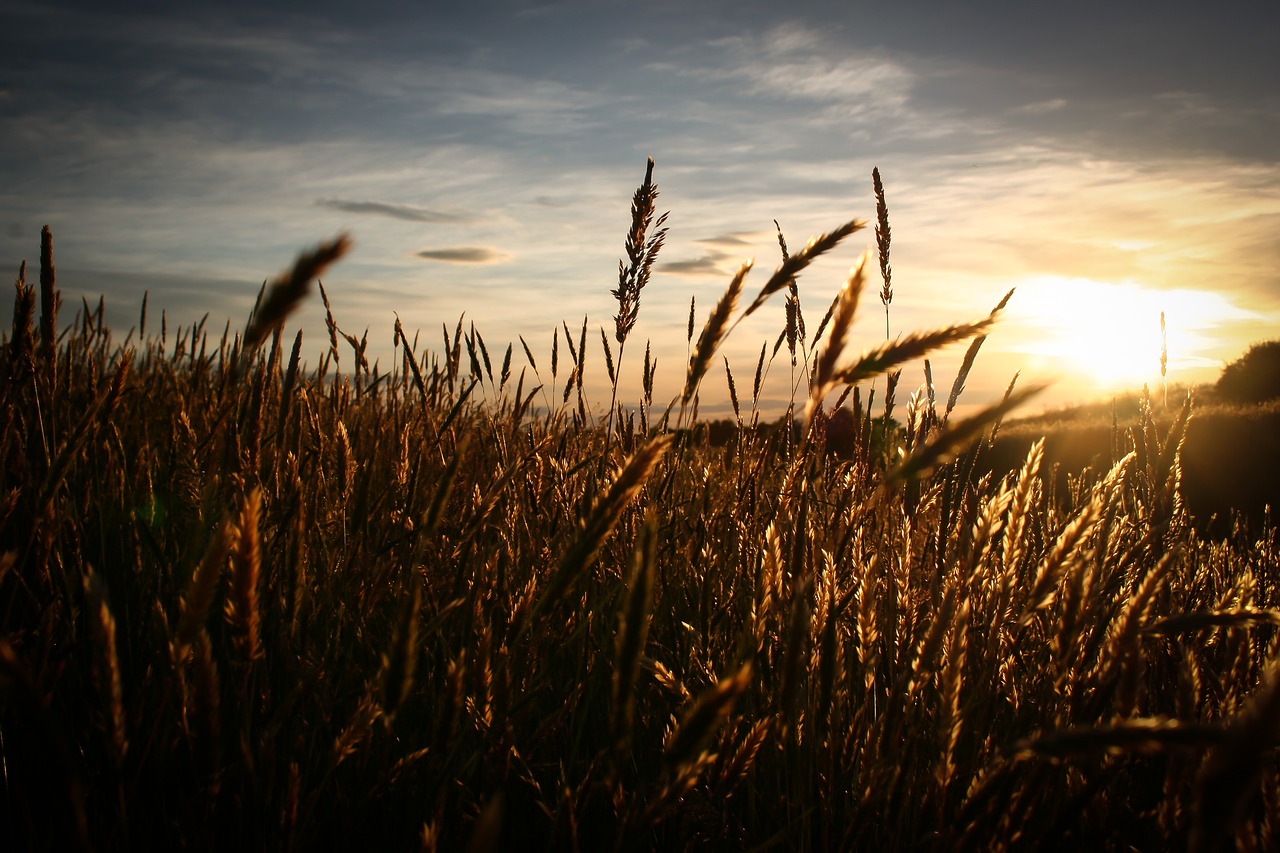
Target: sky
{"x": 1110, "y": 161}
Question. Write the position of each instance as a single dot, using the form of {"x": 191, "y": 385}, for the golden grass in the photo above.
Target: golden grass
{"x": 462, "y": 609}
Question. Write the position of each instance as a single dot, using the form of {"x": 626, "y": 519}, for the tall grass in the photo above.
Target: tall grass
{"x": 250, "y": 605}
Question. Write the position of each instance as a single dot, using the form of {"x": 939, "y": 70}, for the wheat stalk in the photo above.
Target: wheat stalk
{"x": 21, "y": 345}
{"x": 199, "y": 595}
{"x": 602, "y": 519}
{"x": 289, "y": 289}
{"x": 944, "y": 445}
{"x": 242, "y": 610}
{"x": 1147, "y": 736}
{"x": 704, "y": 718}
{"x": 642, "y": 250}
{"x": 883, "y": 239}
{"x": 103, "y": 626}
{"x": 843, "y": 313}
{"x": 970, "y": 355}
{"x": 713, "y": 334}
{"x": 792, "y": 266}
{"x": 633, "y": 629}
{"x": 50, "y": 299}
{"x": 401, "y": 657}
{"x": 1187, "y": 623}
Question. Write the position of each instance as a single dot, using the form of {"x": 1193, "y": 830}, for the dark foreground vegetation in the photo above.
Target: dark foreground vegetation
{"x": 1229, "y": 458}
{"x": 249, "y": 605}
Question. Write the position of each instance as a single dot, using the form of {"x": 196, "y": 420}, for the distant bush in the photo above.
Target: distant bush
{"x": 1254, "y": 377}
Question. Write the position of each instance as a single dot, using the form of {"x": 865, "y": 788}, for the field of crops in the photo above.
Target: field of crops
{"x": 249, "y": 605}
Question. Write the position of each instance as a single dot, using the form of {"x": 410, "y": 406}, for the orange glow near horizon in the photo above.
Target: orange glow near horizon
{"x": 1109, "y": 333}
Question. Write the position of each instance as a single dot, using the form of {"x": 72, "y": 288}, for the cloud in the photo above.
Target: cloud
{"x": 731, "y": 240}
{"x": 707, "y": 265}
{"x": 794, "y": 62}
{"x": 1041, "y": 107}
{"x": 717, "y": 262}
{"x": 466, "y": 255}
{"x": 406, "y": 212}
{"x": 525, "y": 104}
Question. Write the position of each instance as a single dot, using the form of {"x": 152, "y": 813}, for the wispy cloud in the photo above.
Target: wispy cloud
{"x": 1042, "y": 107}
{"x": 524, "y": 104}
{"x": 794, "y": 62}
{"x": 407, "y": 212}
{"x": 732, "y": 241}
{"x": 466, "y": 255}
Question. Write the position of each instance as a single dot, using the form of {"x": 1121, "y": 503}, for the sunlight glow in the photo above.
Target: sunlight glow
{"x": 1109, "y": 333}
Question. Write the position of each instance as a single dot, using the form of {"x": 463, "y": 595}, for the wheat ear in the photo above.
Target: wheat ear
{"x": 711, "y": 710}
{"x": 792, "y": 266}
{"x": 246, "y": 569}
{"x": 603, "y": 517}
{"x": 199, "y": 595}
{"x": 107, "y": 673}
{"x": 843, "y": 313}
{"x": 290, "y": 288}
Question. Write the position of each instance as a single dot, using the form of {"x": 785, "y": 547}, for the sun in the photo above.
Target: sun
{"x": 1109, "y": 334}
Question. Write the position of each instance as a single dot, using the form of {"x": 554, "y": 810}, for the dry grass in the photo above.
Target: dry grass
{"x": 455, "y": 617}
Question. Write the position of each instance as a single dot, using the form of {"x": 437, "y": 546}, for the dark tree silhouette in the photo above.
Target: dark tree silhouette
{"x": 1254, "y": 377}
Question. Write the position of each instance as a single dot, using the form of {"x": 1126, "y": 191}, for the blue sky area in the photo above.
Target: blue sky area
{"x": 1111, "y": 161}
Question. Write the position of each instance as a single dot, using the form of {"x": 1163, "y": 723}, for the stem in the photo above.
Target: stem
{"x": 613, "y": 397}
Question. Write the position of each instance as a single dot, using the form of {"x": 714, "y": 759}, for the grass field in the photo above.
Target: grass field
{"x": 1228, "y": 460}
{"x": 250, "y": 605}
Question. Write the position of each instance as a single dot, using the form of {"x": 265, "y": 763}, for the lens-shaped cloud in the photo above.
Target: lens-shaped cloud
{"x": 707, "y": 265}
{"x": 466, "y": 255}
